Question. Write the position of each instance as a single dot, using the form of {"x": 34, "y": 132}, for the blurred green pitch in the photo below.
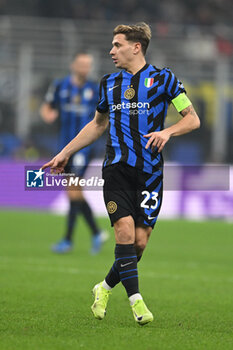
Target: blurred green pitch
{"x": 185, "y": 277}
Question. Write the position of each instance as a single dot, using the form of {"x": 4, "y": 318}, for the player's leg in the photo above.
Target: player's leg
{"x": 79, "y": 205}
{"x": 98, "y": 236}
{"x": 119, "y": 199}
{"x": 142, "y": 235}
{"x": 125, "y": 266}
{"x": 126, "y": 256}
{"x": 149, "y": 200}
{"x": 79, "y": 166}
{"x": 126, "y": 263}
{"x": 140, "y": 312}
{"x": 120, "y": 204}
{"x": 141, "y": 240}
{"x": 125, "y": 269}
{"x": 75, "y": 197}
{"x": 113, "y": 277}
{"x": 114, "y": 189}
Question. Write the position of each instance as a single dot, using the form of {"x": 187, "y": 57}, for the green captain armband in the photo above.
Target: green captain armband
{"x": 181, "y": 102}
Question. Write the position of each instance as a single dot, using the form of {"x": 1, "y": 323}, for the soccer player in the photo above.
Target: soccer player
{"x": 73, "y": 100}
{"x": 134, "y": 103}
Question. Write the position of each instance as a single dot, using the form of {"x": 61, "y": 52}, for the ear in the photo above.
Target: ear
{"x": 137, "y": 48}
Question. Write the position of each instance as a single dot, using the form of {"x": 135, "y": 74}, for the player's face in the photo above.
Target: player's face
{"x": 81, "y": 66}
{"x": 123, "y": 51}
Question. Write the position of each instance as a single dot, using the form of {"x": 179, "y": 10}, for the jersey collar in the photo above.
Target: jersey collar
{"x": 138, "y": 72}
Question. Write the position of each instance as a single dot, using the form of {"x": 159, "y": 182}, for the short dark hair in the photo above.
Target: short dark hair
{"x": 139, "y": 32}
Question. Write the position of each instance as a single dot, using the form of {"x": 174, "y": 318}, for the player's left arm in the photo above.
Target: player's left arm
{"x": 189, "y": 122}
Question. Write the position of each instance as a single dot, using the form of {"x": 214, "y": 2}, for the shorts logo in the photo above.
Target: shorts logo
{"x": 129, "y": 93}
{"x": 111, "y": 207}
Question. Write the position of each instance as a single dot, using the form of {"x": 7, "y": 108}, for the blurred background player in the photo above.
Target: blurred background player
{"x": 73, "y": 100}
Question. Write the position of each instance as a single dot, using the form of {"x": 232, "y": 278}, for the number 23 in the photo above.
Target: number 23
{"x": 147, "y": 197}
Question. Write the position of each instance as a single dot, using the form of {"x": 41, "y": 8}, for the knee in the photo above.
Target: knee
{"x": 140, "y": 245}
{"x": 141, "y": 241}
{"x": 124, "y": 230}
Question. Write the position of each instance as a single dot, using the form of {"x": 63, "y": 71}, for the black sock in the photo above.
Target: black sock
{"x": 73, "y": 212}
{"x": 88, "y": 215}
{"x": 113, "y": 277}
{"x": 126, "y": 265}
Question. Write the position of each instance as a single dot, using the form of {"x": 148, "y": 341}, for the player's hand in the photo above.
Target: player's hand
{"x": 57, "y": 164}
{"x": 157, "y": 139}
{"x": 51, "y": 116}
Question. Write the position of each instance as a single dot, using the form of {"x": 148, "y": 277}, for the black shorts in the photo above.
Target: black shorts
{"x": 130, "y": 191}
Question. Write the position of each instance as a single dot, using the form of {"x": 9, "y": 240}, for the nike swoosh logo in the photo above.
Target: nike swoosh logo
{"x": 123, "y": 265}
{"x": 139, "y": 318}
{"x": 113, "y": 87}
{"x": 151, "y": 217}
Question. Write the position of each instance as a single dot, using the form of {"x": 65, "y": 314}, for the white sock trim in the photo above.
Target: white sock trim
{"x": 134, "y": 297}
{"x": 105, "y": 285}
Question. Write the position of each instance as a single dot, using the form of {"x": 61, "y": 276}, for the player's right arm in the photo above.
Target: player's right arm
{"x": 90, "y": 133}
{"x": 49, "y": 108}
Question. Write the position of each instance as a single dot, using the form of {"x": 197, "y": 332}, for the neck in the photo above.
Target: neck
{"x": 136, "y": 66}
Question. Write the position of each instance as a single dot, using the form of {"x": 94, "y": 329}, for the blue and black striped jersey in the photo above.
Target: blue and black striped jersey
{"x": 76, "y": 106}
{"x": 137, "y": 105}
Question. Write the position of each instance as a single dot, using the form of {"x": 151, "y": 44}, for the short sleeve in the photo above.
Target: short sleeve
{"x": 173, "y": 86}
{"x": 102, "y": 105}
{"x": 52, "y": 95}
